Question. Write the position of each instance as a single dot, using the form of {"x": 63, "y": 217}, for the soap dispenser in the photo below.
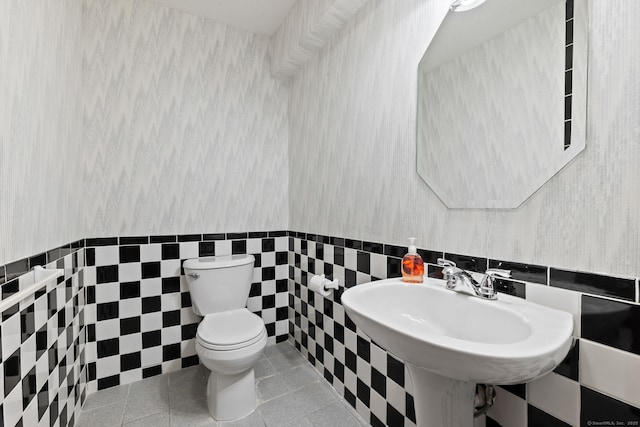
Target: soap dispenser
{"x": 412, "y": 264}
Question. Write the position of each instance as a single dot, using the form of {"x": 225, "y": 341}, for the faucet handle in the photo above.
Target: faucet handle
{"x": 497, "y": 272}
{"x": 445, "y": 263}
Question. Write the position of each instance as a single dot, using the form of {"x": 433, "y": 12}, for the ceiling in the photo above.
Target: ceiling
{"x": 256, "y": 16}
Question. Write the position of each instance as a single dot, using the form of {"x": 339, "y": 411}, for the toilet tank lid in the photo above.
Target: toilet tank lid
{"x": 221, "y": 261}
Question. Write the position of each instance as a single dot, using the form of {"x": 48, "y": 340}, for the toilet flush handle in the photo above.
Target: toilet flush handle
{"x": 194, "y": 275}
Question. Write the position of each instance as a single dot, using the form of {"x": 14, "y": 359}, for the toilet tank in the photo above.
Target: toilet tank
{"x": 219, "y": 283}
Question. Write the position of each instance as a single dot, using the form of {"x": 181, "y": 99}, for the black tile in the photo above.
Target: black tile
{"x": 615, "y": 287}
{"x": 170, "y": 251}
{"x": 538, "y": 418}
{"x": 129, "y": 290}
{"x": 613, "y": 323}
{"x": 170, "y": 318}
{"x": 395, "y": 251}
{"x": 410, "y": 408}
{"x": 268, "y": 273}
{"x": 377, "y": 248}
{"x": 189, "y": 238}
{"x": 375, "y": 421}
{"x": 40, "y": 259}
{"x": 129, "y": 254}
{"x": 430, "y": 257}
{"x": 468, "y": 263}
{"x": 90, "y": 257}
{"x": 150, "y": 270}
{"x": 364, "y": 262}
{"x": 350, "y": 278}
{"x": 43, "y": 400}
{"x": 151, "y": 304}
{"x": 569, "y": 9}
{"x": 282, "y": 313}
{"x": 569, "y": 32}
{"x": 350, "y": 397}
{"x": 510, "y": 287}
{"x": 151, "y": 339}
{"x": 16, "y": 269}
{"x": 130, "y": 325}
{"x": 258, "y": 234}
{"x": 268, "y": 245}
{"x": 170, "y": 285}
{"x": 338, "y": 256}
{"x": 364, "y": 349}
{"x": 363, "y": 392}
{"x": 102, "y": 241}
{"x": 152, "y": 371}
{"x": 519, "y": 390}
{"x": 41, "y": 341}
{"x": 185, "y": 299}
{"x": 27, "y": 323}
{"x": 379, "y": 382}
{"x": 91, "y": 332}
{"x": 232, "y": 236}
{"x": 239, "y": 247}
{"x": 278, "y": 233}
{"x": 53, "y": 255}
{"x": 525, "y": 272}
{"x": 189, "y": 331}
{"x": 394, "y": 418}
{"x": 162, "y": 239}
{"x": 108, "y": 310}
{"x": 350, "y": 360}
{"x": 206, "y": 249}
{"x": 598, "y": 409}
{"x": 282, "y": 285}
{"x": 189, "y": 361}
{"x": 90, "y": 296}
{"x": 353, "y": 244}
{"x": 108, "y": 348}
{"x": 108, "y": 382}
{"x": 395, "y": 370}
{"x": 213, "y": 236}
{"x": 271, "y": 329}
{"x": 107, "y": 274}
{"x": 134, "y": 240}
{"x": 130, "y": 361}
{"x": 570, "y": 367}
{"x": 170, "y": 352}
{"x": 394, "y": 267}
{"x": 12, "y": 373}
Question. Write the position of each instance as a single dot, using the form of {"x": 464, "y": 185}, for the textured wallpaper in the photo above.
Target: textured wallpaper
{"x": 40, "y": 126}
{"x": 352, "y": 149}
{"x": 186, "y": 129}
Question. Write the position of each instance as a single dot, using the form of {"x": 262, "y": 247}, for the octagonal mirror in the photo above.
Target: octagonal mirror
{"x": 502, "y": 95}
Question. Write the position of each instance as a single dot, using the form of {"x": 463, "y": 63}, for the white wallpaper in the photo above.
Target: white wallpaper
{"x": 186, "y": 128}
{"x": 40, "y": 130}
{"x": 352, "y": 149}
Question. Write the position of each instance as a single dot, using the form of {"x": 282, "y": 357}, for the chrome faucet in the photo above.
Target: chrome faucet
{"x": 462, "y": 281}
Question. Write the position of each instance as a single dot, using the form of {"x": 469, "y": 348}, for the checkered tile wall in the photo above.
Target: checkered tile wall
{"x": 377, "y": 384}
{"x": 140, "y": 320}
{"x": 43, "y": 343}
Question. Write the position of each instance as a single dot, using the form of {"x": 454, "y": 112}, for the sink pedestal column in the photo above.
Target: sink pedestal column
{"x": 441, "y": 401}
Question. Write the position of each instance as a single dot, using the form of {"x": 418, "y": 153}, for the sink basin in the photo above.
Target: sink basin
{"x": 451, "y": 341}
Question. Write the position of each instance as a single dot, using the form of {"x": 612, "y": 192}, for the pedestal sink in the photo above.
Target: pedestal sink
{"x": 451, "y": 341}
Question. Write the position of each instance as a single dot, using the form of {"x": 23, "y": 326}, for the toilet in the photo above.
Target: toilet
{"x": 230, "y": 339}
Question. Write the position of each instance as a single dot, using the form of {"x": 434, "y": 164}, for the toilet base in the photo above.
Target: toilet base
{"x": 230, "y": 397}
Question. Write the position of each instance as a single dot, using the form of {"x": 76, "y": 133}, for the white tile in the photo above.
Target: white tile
{"x": 223, "y": 247}
{"x": 170, "y": 268}
{"x": 108, "y": 366}
{"x": 362, "y": 278}
{"x": 149, "y": 253}
{"x": 254, "y": 246}
{"x": 189, "y": 250}
{"x": 560, "y": 299}
{"x": 107, "y": 292}
{"x": 28, "y": 355}
{"x": 151, "y": 322}
{"x": 11, "y": 339}
{"x": 396, "y": 395}
{"x": 130, "y": 307}
{"x": 129, "y": 272}
{"x": 171, "y": 335}
{"x": 364, "y": 371}
{"x": 379, "y": 266}
{"x": 508, "y": 409}
{"x": 130, "y": 343}
{"x": 106, "y": 329}
{"x": 151, "y": 356}
{"x": 150, "y": 287}
{"x": 171, "y": 302}
{"x": 282, "y": 271}
{"x": 556, "y": 395}
{"x": 350, "y": 259}
{"x": 107, "y": 255}
{"x": 610, "y": 371}
{"x": 378, "y": 405}
{"x": 379, "y": 359}
{"x": 282, "y": 244}
{"x": 89, "y": 276}
{"x": 328, "y": 254}
{"x": 12, "y": 406}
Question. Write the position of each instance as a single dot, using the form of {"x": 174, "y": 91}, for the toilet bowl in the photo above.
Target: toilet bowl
{"x": 230, "y": 339}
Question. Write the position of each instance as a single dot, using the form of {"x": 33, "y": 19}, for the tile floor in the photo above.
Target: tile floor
{"x": 290, "y": 392}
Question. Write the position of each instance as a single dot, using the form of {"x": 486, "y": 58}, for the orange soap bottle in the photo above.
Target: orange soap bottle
{"x": 412, "y": 264}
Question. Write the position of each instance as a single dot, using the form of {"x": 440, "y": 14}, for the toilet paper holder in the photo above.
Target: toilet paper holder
{"x": 322, "y": 285}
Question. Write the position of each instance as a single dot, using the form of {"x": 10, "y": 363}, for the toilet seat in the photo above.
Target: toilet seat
{"x": 230, "y": 330}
